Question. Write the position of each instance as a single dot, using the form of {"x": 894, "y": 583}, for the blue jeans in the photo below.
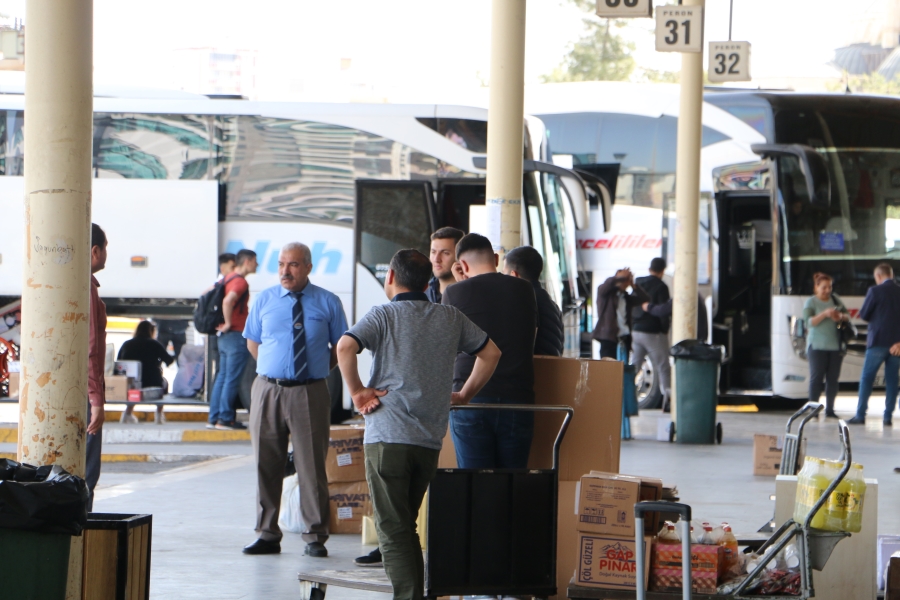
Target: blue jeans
{"x": 875, "y": 356}
{"x": 233, "y": 356}
{"x": 492, "y": 439}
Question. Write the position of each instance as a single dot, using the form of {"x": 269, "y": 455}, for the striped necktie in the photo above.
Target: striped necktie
{"x": 301, "y": 370}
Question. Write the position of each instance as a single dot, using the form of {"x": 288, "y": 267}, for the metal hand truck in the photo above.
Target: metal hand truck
{"x": 815, "y": 545}
{"x": 490, "y": 531}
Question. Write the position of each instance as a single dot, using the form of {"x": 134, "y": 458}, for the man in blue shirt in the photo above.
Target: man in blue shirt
{"x": 292, "y": 331}
{"x": 881, "y": 309}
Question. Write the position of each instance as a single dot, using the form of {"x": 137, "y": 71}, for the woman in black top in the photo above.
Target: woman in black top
{"x": 144, "y": 347}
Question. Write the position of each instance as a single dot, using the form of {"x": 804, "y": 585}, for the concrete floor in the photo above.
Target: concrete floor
{"x": 204, "y": 513}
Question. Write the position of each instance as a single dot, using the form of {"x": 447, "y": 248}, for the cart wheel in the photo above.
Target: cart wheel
{"x": 671, "y": 432}
{"x": 718, "y": 433}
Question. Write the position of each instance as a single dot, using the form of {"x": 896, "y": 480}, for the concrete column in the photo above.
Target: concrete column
{"x": 687, "y": 198}
{"x": 506, "y": 114}
{"x": 55, "y": 292}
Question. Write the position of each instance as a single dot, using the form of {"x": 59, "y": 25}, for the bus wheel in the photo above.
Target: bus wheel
{"x": 646, "y": 386}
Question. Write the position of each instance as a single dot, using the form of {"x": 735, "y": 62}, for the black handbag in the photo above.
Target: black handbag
{"x": 846, "y": 330}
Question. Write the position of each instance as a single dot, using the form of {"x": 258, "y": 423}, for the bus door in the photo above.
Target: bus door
{"x": 389, "y": 216}
{"x": 743, "y": 318}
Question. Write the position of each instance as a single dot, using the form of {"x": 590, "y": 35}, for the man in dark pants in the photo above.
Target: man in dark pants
{"x": 650, "y": 334}
{"x": 96, "y": 367}
{"x": 526, "y": 263}
{"x": 881, "y": 309}
{"x": 406, "y": 404}
{"x": 614, "y": 306}
{"x": 505, "y": 308}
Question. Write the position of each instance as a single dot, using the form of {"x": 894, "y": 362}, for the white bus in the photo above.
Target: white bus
{"x": 768, "y": 221}
{"x": 180, "y": 178}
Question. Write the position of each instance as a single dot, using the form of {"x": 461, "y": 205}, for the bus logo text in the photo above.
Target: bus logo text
{"x": 325, "y": 261}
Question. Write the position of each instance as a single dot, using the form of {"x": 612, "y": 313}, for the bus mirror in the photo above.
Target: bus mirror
{"x": 812, "y": 165}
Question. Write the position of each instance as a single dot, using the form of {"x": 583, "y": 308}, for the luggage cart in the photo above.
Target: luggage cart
{"x": 490, "y": 531}
{"x": 815, "y": 548}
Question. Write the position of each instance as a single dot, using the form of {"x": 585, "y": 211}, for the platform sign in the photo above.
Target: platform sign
{"x": 623, "y": 9}
{"x": 729, "y": 61}
{"x": 679, "y": 29}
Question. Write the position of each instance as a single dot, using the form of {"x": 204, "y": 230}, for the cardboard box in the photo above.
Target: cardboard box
{"x": 129, "y": 368}
{"x": 704, "y": 559}
{"x": 665, "y": 571}
{"x": 117, "y": 387}
{"x": 605, "y": 504}
{"x": 346, "y": 459}
{"x": 349, "y": 502}
{"x": 13, "y": 385}
{"x": 594, "y": 389}
{"x": 651, "y": 490}
{"x": 670, "y": 580}
{"x": 609, "y": 562}
{"x": 767, "y": 454}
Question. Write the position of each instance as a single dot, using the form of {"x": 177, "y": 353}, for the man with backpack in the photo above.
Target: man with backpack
{"x": 233, "y": 353}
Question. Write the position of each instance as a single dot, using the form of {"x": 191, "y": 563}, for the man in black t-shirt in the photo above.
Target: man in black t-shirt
{"x": 505, "y": 308}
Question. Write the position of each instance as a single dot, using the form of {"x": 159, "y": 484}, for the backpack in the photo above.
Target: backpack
{"x": 208, "y": 313}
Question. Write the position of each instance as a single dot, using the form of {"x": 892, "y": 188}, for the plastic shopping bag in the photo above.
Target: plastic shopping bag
{"x": 289, "y": 519}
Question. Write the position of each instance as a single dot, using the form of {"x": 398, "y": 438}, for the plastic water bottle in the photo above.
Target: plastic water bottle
{"x": 856, "y": 498}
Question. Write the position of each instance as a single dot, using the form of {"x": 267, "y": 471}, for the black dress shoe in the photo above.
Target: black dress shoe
{"x": 316, "y": 550}
{"x": 888, "y": 423}
{"x": 830, "y": 414}
{"x": 262, "y": 546}
{"x": 856, "y": 421}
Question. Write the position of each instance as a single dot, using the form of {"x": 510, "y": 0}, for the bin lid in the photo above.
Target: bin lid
{"x": 697, "y": 350}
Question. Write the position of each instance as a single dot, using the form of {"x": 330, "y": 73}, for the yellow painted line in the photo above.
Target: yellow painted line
{"x": 8, "y": 435}
{"x": 740, "y": 408}
{"x": 103, "y": 457}
{"x": 212, "y": 435}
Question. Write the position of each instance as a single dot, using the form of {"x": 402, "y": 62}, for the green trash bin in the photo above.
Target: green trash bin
{"x": 37, "y": 564}
{"x": 697, "y": 392}
{"x": 41, "y": 508}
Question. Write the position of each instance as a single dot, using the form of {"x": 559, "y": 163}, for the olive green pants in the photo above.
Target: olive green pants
{"x": 398, "y": 476}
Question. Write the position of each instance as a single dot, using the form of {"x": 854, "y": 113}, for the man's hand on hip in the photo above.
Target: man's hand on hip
{"x": 97, "y": 417}
{"x": 367, "y": 400}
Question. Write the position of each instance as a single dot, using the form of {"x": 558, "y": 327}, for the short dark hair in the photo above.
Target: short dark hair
{"x": 243, "y": 256}
{"x": 227, "y": 257}
{"x": 448, "y": 233}
{"x": 526, "y": 261}
{"x": 474, "y": 242}
{"x": 144, "y": 329}
{"x": 98, "y": 236}
{"x": 658, "y": 265}
{"x": 885, "y": 270}
{"x": 412, "y": 269}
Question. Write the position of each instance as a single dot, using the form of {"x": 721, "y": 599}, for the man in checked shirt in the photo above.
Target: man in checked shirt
{"x": 292, "y": 332}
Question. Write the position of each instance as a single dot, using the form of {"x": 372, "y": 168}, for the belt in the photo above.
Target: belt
{"x": 291, "y": 382}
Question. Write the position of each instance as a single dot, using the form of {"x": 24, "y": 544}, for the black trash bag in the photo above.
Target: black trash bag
{"x": 44, "y": 499}
{"x": 697, "y": 350}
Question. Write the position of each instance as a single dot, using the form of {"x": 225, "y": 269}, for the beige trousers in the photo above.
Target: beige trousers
{"x": 302, "y": 415}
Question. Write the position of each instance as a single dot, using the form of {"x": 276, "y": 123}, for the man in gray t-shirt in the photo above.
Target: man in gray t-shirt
{"x": 407, "y": 403}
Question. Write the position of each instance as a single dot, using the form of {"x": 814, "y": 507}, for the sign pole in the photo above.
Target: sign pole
{"x": 687, "y": 197}
{"x": 56, "y": 271}
{"x": 506, "y": 118}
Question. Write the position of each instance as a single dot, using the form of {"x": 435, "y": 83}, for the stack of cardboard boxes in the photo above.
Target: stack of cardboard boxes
{"x": 348, "y": 492}
{"x": 604, "y": 509}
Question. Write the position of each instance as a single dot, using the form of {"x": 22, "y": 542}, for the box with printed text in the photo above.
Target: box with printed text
{"x": 349, "y": 502}
{"x": 605, "y": 503}
{"x": 346, "y": 459}
{"x": 609, "y": 561}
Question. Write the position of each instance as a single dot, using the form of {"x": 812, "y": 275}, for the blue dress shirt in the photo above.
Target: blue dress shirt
{"x": 270, "y": 321}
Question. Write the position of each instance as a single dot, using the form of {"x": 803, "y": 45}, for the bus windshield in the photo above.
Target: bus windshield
{"x": 861, "y": 227}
